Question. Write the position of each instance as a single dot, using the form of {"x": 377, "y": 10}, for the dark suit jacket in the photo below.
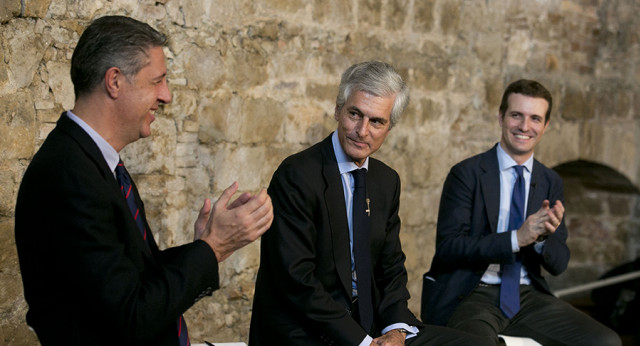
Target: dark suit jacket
{"x": 467, "y": 242}
{"x": 89, "y": 278}
{"x": 303, "y": 289}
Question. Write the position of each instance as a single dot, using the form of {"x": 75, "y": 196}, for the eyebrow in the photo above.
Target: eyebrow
{"x": 520, "y": 113}
{"x": 357, "y": 110}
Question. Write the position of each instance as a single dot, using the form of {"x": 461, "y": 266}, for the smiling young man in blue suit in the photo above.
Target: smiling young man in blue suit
{"x": 477, "y": 248}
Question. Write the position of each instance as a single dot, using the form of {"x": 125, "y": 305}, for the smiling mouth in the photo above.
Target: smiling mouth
{"x": 358, "y": 143}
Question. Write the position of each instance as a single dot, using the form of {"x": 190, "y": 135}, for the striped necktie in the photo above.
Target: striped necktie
{"x": 128, "y": 190}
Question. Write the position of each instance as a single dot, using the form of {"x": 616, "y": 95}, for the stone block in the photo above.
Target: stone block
{"x": 18, "y": 126}
{"x": 450, "y": 17}
{"x": 60, "y": 83}
{"x": 36, "y": 8}
{"x": 262, "y": 120}
{"x": 214, "y": 115}
{"x": 286, "y": 6}
{"x": 248, "y": 63}
{"x": 490, "y": 49}
{"x": 155, "y": 154}
{"x": 204, "y": 67}
{"x": 558, "y": 144}
{"x": 578, "y": 104}
{"x": 423, "y": 15}
{"x": 612, "y": 102}
{"x": 429, "y": 69}
{"x": 519, "y": 43}
{"x": 322, "y": 92}
{"x": 86, "y": 9}
{"x": 11, "y": 173}
{"x": 396, "y": 14}
{"x": 307, "y": 129}
{"x": 369, "y": 12}
{"x": 621, "y": 205}
{"x": 361, "y": 46}
{"x": 419, "y": 207}
{"x": 339, "y": 13}
{"x": 244, "y": 164}
{"x": 25, "y": 51}
{"x": 9, "y": 9}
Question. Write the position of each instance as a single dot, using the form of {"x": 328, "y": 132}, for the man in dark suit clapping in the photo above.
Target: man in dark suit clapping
{"x": 92, "y": 272}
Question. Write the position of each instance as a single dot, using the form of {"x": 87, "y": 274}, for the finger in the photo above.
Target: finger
{"x": 244, "y": 198}
{"x": 256, "y": 202}
{"x": 223, "y": 200}
{"x": 553, "y": 221}
{"x": 203, "y": 215}
{"x": 264, "y": 221}
{"x": 545, "y": 204}
{"x": 202, "y": 219}
{"x": 558, "y": 209}
{"x": 549, "y": 227}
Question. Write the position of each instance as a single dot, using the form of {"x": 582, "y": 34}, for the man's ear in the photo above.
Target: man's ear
{"x": 335, "y": 112}
{"x": 113, "y": 80}
{"x": 500, "y": 118}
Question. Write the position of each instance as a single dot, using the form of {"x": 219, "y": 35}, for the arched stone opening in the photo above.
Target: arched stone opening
{"x": 603, "y": 218}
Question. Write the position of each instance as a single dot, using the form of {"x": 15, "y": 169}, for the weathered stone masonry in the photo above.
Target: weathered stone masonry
{"x": 254, "y": 81}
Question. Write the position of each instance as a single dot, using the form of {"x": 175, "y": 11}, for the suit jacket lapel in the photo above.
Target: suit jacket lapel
{"x": 536, "y": 189}
{"x": 95, "y": 155}
{"x": 490, "y": 186}
{"x": 337, "y": 211}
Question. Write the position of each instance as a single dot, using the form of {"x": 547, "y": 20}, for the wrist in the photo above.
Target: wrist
{"x": 402, "y": 331}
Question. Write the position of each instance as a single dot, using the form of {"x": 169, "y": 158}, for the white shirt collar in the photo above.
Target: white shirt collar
{"x": 110, "y": 155}
{"x": 506, "y": 162}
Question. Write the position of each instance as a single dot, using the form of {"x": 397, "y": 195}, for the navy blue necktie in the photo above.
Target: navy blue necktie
{"x": 362, "y": 248}
{"x": 127, "y": 189}
{"x": 510, "y": 286}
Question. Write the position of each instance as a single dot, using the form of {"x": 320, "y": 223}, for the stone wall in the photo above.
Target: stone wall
{"x": 255, "y": 80}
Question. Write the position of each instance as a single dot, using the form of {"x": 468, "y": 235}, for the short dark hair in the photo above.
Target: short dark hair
{"x": 111, "y": 41}
{"x": 528, "y": 88}
{"x": 378, "y": 79}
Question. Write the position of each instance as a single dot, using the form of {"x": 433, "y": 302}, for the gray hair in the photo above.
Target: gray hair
{"x": 111, "y": 41}
{"x": 378, "y": 79}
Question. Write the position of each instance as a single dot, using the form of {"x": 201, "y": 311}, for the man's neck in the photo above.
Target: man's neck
{"x": 97, "y": 113}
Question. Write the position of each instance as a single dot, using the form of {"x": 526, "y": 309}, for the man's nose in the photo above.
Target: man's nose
{"x": 164, "y": 94}
{"x": 362, "y": 127}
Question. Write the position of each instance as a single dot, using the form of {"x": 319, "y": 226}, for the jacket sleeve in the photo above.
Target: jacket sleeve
{"x": 390, "y": 271}
{"x": 555, "y": 252}
{"x": 83, "y": 244}
{"x": 464, "y": 237}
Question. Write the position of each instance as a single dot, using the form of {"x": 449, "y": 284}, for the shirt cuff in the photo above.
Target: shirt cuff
{"x": 367, "y": 341}
{"x": 538, "y": 246}
{"x": 413, "y": 331}
{"x": 514, "y": 241}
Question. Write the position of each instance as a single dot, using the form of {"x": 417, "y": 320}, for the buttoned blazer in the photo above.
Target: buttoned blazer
{"x": 303, "y": 288}
{"x": 467, "y": 241}
{"x": 89, "y": 278}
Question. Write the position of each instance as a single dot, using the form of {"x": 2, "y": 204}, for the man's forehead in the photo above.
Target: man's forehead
{"x": 525, "y": 100}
